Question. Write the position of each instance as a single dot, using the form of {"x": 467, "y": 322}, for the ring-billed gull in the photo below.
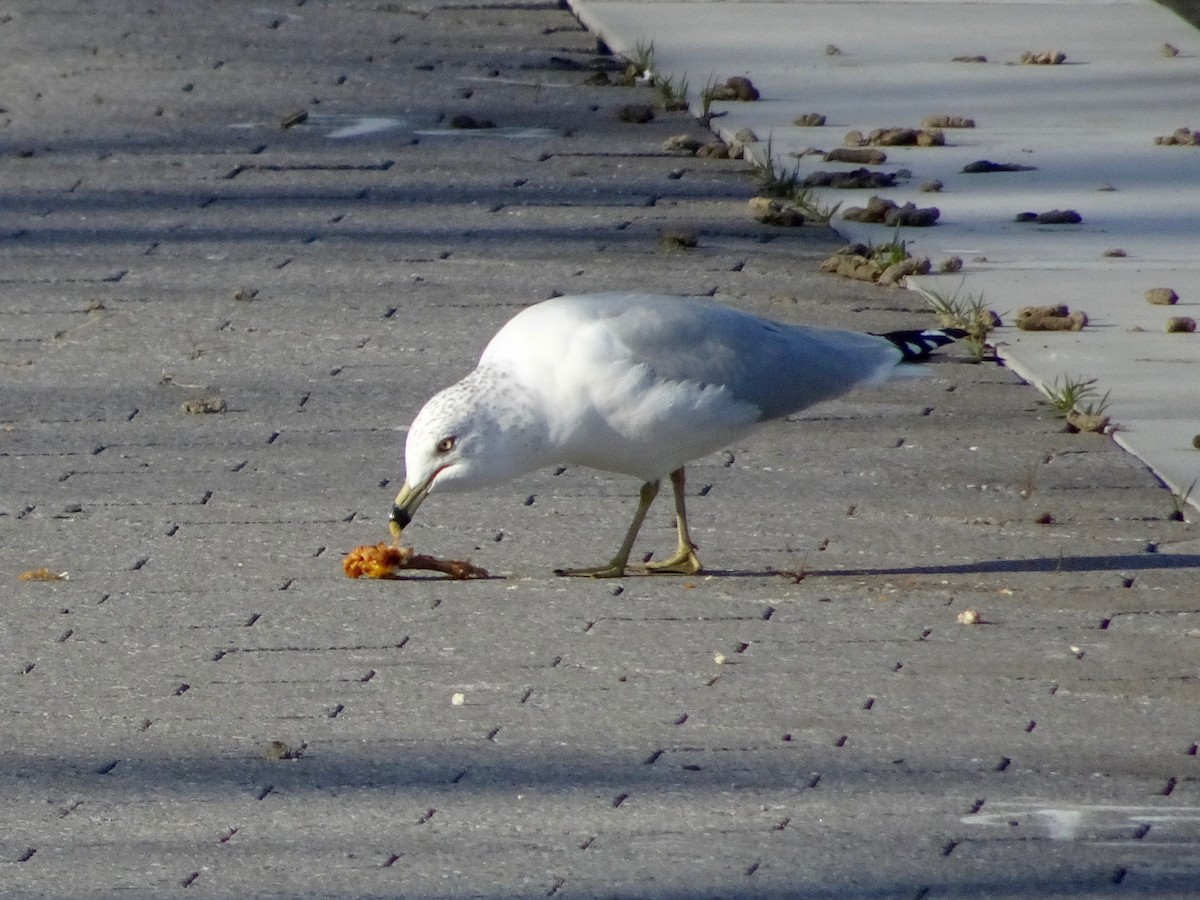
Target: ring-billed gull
{"x": 636, "y": 384}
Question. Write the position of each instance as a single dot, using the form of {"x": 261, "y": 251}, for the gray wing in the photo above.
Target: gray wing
{"x": 778, "y": 368}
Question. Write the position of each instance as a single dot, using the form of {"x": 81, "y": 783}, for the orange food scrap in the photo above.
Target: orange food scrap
{"x": 42, "y": 574}
{"x": 384, "y": 561}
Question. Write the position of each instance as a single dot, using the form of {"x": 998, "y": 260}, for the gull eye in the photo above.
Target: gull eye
{"x": 445, "y": 445}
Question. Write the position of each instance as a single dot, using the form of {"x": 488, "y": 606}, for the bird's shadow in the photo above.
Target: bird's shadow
{"x": 1126, "y": 562}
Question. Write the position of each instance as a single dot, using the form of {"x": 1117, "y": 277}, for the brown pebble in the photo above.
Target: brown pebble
{"x": 948, "y": 122}
{"x": 1050, "y": 318}
{"x": 1196, "y": 441}
{"x": 1051, "y": 217}
{"x": 1181, "y": 325}
{"x": 636, "y": 113}
{"x": 681, "y": 143}
{"x": 278, "y": 750}
{"x": 1162, "y": 296}
{"x": 464, "y": 121}
{"x": 737, "y": 87}
{"x": 864, "y": 156}
{"x": 810, "y": 120}
{"x": 713, "y": 151}
{"x": 204, "y": 405}
{"x": 1181, "y": 136}
{"x": 678, "y": 239}
{"x": 772, "y": 212}
{"x": 857, "y": 179}
{"x": 986, "y": 165}
{"x": 1046, "y": 58}
{"x": 1115, "y": 252}
{"x": 931, "y": 187}
{"x": 897, "y": 272}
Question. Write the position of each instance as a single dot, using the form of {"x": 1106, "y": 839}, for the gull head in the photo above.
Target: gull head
{"x": 475, "y": 433}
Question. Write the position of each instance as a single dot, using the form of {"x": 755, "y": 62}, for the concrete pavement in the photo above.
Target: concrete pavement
{"x": 1084, "y": 133}
{"x": 208, "y": 708}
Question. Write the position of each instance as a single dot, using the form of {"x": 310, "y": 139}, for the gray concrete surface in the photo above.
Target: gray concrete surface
{"x": 856, "y": 742}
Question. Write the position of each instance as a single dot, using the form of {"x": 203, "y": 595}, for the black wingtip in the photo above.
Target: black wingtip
{"x": 917, "y": 345}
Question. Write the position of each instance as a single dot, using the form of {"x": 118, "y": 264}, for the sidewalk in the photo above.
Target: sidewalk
{"x": 208, "y": 708}
{"x": 1085, "y": 130}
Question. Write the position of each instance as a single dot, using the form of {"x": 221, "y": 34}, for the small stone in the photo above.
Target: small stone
{"x": 855, "y": 180}
{"x": 636, "y": 113}
{"x": 743, "y": 88}
{"x": 738, "y": 87}
{"x": 1181, "y": 137}
{"x": 864, "y": 156}
{"x": 462, "y": 120}
{"x": 457, "y": 698}
{"x": 950, "y": 265}
{"x": 931, "y": 187}
{"x": 1162, "y": 296}
{"x": 986, "y": 165}
{"x": 772, "y": 212}
{"x": 681, "y": 143}
{"x": 969, "y": 59}
{"x": 1050, "y": 318}
{"x": 713, "y": 151}
{"x": 897, "y": 272}
{"x": 833, "y": 50}
{"x": 948, "y": 122}
{"x": 1045, "y": 58}
{"x": 1051, "y": 217}
{"x": 278, "y": 750}
{"x": 294, "y": 118}
{"x": 810, "y": 120}
{"x": 678, "y": 239}
{"x": 1169, "y": 50}
{"x": 1196, "y": 441}
{"x": 1114, "y": 253}
{"x": 912, "y": 216}
{"x": 969, "y": 617}
{"x": 719, "y": 659}
{"x": 204, "y": 405}
{"x": 1181, "y": 325}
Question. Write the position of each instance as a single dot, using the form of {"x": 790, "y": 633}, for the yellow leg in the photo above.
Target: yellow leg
{"x": 616, "y": 566}
{"x": 685, "y": 561}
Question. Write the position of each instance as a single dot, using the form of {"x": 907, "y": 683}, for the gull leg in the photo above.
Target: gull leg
{"x": 685, "y": 561}
{"x": 616, "y": 566}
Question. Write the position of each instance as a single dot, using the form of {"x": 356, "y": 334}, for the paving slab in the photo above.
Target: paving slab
{"x": 207, "y": 707}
